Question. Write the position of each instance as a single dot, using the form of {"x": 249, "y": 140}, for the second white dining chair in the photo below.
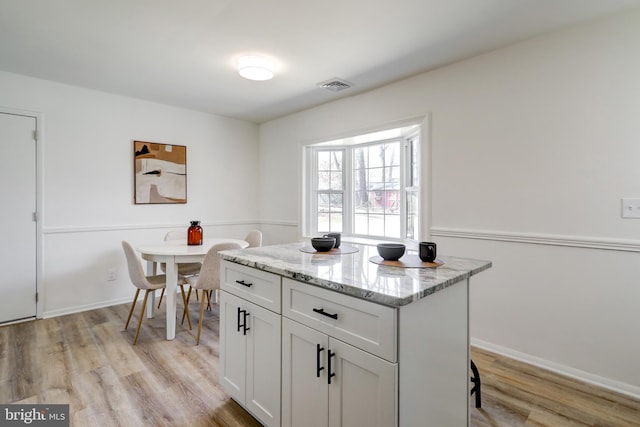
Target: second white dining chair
{"x": 208, "y": 280}
{"x": 148, "y": 283}
{"x": 254, "y": 238}
{"x": 187, "y": 268}
{"x": 184, "y": 269}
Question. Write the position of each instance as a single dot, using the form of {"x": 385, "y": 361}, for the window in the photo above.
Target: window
{"x": 365, "y": 186}
{"x": 330, "y": 190}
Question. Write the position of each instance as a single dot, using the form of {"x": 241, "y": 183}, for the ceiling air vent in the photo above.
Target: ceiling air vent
{"x": 335, "y": 85}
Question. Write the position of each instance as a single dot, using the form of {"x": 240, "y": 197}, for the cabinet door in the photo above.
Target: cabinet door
{"x": 263, "y": 364}
{"x": 232, "y": 372}
{"x": 305, "y": 399}
{"x": 363, "y": 391}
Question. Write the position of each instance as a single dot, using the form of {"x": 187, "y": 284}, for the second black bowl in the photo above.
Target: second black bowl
{"x": 391, "y": 251}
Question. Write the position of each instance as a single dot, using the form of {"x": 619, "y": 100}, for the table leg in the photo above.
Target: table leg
{"x": 152, "y": 267}
{"x": 170, "y": 295}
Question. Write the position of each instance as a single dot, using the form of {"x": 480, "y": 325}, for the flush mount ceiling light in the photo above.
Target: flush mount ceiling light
{"x": 255, "y": 67}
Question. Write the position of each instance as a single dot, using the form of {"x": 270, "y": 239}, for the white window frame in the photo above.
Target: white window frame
{"x": 313, "y": 193}
{"x": 310, "y": 197}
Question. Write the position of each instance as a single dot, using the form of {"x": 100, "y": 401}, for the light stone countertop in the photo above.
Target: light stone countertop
{"x": 353, "y": 274}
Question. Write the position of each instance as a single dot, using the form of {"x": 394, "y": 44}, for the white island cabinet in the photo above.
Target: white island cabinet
{"x": 338, "y": 383}
{"x": 336, "y": 340}
{"x": 250, "y": 331}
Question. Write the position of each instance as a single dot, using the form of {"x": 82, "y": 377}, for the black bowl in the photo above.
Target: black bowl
{"x": 391, "y": 251}
{"x": 323, "y": 244}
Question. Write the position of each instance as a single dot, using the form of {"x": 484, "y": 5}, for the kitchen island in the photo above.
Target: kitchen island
{"x": 337, "y": 340}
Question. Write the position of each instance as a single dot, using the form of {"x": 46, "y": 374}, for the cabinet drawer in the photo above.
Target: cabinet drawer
{"x": 260, "y": 287}
{"x": 363, "y": 324}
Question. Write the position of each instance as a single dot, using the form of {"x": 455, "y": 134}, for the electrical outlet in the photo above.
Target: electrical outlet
{"x": 630, "y": 208}
{"x": 112, "y": 274}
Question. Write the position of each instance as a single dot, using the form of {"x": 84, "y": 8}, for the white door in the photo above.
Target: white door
{"x": 233, "y": 346}
{"x": 305, "y": 394}
{"x": 263, "y": 364}
{"x": 17, "y": 225}
{"x": 363, "y": 391}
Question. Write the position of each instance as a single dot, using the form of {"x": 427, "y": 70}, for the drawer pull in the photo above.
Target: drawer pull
{"x": 242, "y": 282}
{"x": 319, "y": 350}
{"x": 324, "y": 313}
{"x": 331, "y": 374}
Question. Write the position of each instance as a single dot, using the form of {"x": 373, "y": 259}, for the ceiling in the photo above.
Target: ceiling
{"x": 184, "y": 53}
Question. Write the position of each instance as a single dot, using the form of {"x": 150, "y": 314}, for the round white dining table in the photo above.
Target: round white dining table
{"x": 172, "y": 253}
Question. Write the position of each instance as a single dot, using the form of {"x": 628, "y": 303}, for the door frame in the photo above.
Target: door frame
{"x": 39, "y": 141}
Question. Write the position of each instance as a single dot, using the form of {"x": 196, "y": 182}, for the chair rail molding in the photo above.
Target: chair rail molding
{"x": 127, "y": 227}
{"x": 279, "y": 223}
{"x": 603, "y": 243}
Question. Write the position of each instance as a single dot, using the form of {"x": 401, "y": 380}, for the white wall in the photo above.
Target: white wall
{"x": 532, "y": 147}
{"x": 87, "y": 192}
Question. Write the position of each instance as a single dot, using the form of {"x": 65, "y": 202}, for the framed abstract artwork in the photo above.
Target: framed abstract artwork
{"x": 160, "y": 173}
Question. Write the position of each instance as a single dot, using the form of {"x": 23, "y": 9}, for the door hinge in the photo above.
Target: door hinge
{"x": 36, "y": 216}
{"x": 35, "y": 135}
{"x": 37, "y": 295}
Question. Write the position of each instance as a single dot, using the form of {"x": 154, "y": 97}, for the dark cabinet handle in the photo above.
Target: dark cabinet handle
{"x": 242, "y": 282}
{"x": 331, "y": 374}
{"x": 324, "y": 313}
{"x": 243, "y": 313}
{"x": 246, "y": 314}
{"x": 319, "y": 350}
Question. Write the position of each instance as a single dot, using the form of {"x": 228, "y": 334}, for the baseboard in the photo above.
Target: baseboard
{"x": 101, "y": 304}
{"x": 15, "y": 322}
{"x": 596, "y": 380}
{"x": 86, "y": 307}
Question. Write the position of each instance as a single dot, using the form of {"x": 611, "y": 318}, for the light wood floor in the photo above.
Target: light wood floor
{"x": 87, "y": 361}
{"x": 518, "y": 394}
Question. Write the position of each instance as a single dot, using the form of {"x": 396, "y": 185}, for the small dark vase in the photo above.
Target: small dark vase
{"x": 194, "y": 234}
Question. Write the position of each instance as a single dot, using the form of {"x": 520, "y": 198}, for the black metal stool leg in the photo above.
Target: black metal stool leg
{"x": 475, "y": 379}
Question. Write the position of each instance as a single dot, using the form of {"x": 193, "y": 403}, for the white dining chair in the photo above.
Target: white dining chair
{"x": 148, "y": 283}
{"x": 208, "y": 280}
{"x": 184, "y": 269}
{"x": 254, "y": 238}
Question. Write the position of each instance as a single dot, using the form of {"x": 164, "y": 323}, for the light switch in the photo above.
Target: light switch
{"x": 630, "y": 208}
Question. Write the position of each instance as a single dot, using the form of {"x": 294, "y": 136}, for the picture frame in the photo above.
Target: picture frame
{"x": 160, "y": 173}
